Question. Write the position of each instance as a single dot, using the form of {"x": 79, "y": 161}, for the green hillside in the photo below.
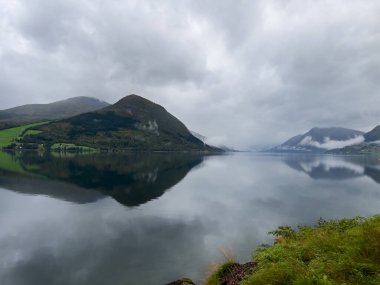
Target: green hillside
{"x": 133, "y": 123}
{"x": 13, "y": 135}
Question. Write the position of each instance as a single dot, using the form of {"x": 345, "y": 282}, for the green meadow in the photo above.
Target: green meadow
{"x": 10, "y": 136}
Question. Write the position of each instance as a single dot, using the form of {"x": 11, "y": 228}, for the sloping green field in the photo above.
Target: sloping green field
{"x": 10, "y": 136}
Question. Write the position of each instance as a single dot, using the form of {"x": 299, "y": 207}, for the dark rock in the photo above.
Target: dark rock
{"x": 182, "y": 281}
{"x": 237, "y": 273}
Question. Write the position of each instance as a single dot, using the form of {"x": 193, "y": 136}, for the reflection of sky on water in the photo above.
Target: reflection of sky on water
{"x": 230, "y": 202}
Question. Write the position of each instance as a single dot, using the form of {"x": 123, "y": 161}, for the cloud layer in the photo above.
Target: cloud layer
{"x": 241, "y": 73}
{"x": 331, "y": 144}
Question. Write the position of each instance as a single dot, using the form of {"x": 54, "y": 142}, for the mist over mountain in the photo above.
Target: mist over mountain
{"x": 369, "y": 145}
{"x": 321, "y": 139}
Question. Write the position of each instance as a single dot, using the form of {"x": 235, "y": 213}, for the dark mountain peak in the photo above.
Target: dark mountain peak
{"x": 333, "y": 133}
{"x": 132, "y": 123}
{"x": 330, "y": 130}
{"x": 146, "y": 112}
{"x": 133, "y": 97}
{"x": 376, "y": 129}
{"x": 136, "y": 101}
{"x": 143, "y": 110}
{"x": 373, "y": 135}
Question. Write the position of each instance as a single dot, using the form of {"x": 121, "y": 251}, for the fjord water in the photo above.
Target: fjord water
{"x": 151, "y": 218}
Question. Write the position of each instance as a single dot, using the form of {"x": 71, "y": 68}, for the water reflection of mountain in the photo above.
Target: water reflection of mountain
{"x": 373, "y": 172}
{"x": 131, "y": 179}
{"x": 335, "y": 167}
{"x": 35, "y": 185}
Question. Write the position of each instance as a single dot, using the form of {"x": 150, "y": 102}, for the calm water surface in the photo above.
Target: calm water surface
{"x": 152, "y": 218}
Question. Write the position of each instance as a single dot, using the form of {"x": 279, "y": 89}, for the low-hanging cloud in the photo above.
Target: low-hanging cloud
{"x": 331, "y": 144}
{"x": 242, "y": 73}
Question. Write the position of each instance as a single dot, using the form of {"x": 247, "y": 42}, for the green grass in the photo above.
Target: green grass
{"x": 32, "y": 132}
{"x": 11, "y": 136}
{"x": 335, "y": 252}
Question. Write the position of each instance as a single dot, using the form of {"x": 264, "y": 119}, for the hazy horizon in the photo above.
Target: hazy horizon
{"x": 240, "y": 73}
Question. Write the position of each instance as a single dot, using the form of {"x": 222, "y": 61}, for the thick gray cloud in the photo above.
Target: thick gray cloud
{"x": 240, "y": 72}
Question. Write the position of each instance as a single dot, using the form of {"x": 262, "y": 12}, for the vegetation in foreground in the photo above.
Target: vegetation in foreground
{"x": 11, "y": 137}
{"x": 345, "y": 251}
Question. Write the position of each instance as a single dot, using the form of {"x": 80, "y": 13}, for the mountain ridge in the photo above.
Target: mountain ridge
{"x": 31, "y": 113}
{"x": 320, "y": 140}
{"x": 373, "y": 135}
{"x": 132, "y": 123}
{"x": 370, "y": 144}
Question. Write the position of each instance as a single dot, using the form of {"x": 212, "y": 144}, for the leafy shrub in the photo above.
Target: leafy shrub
{"x": 345, "y": 251}
{"x": 335, "y": 252}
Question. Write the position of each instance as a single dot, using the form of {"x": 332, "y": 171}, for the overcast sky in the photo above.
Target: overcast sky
{"x": 240, "y": 72}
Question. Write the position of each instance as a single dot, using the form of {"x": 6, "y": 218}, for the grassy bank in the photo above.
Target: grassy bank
{"x": 333, "y": 252}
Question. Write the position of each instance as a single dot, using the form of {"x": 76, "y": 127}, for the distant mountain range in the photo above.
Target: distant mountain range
{"x": 133, "y": 123}
{"x": 57, "y": 110}
{"x": 332, "y": 140}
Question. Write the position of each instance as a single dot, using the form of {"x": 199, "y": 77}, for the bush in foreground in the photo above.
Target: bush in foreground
{"x": 333, "y": 252}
